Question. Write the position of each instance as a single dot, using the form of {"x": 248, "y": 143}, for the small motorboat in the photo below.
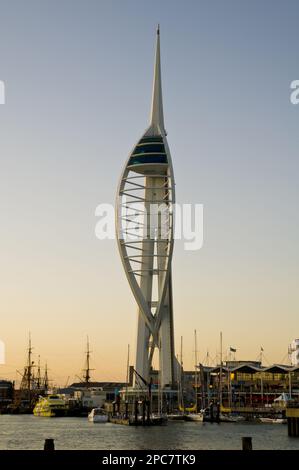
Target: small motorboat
{"x": 98, "y": 415}
{"x": 228, "y": 418}
{"x": 158, "y": 418}
{"x": 176, "y": 416}
{"x": 273, "y": 420}
{"x": 194, "y": 417}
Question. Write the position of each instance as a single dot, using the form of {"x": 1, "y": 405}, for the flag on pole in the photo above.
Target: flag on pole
{"x": 232, "y": 349}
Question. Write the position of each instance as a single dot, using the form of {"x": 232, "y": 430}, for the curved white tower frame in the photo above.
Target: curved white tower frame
{"x": 144, "y": 225}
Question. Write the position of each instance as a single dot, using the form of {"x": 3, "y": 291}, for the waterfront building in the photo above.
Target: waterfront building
{"x": 248, "y": 384}
{"x": 6, "y": 393}
{"x": 294, "y": 352}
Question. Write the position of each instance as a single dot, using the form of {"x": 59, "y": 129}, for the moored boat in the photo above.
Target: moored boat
{"x": 227, "y": 418}
{"x": 176, "y": 416}
{"x": 98, "y": 415}
{"x": 51, "y": 406}
{"x": 194, "y": 417}
{"x": 273, "y": 420}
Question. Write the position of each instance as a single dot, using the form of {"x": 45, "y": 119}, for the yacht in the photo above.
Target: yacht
{"x": 98, "y": 415}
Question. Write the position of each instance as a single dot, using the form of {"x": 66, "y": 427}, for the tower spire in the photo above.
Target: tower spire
{"x": 157, "y": 118}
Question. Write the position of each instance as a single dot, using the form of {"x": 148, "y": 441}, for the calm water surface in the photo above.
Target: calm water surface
{"x": 29, "y": 432}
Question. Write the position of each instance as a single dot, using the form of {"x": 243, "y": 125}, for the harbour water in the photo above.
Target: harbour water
{"x": 27, "y": 432}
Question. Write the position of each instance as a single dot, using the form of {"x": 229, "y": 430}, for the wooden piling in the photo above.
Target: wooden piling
{"x": 136, "y": 411}
{"x": 293, "y": 427}
{"x": 143, "y": 412}
{"x": 246, "y": 443}
{"x": 292, "y": 414}
{"x": 49, "y": 445}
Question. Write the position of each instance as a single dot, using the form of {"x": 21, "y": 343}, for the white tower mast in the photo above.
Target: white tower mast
{"x": 144, "y": 225}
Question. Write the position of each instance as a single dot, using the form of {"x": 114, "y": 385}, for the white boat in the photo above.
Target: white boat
{"x": 273, "y": 420}
{"x": 176, "y": 416}
{"x": 98, "y": 415}
{"x": 194, "y": 417}
{"x": 227, "y": 418}
{"x": 158, "y": 418}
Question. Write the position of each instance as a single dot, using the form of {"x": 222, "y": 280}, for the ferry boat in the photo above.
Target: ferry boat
{"x": 51, "y": 406}
{"x": 98, "y": 415}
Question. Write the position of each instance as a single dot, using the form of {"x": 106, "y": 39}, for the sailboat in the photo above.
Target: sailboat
{"x": 180, "y": 414}
{"x": 226, "y": 416}
{"x": 195, "y": 416}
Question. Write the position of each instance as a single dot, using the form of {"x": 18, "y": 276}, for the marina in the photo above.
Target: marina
{"x": 233, "y": 392}
{"x": 78, "y": 433}
{"x": 143, "y": 343}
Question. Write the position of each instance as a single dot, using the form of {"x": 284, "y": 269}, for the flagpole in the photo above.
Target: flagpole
{"x": 262, "y": 385}
{"x": 228, "y": 377}
{"x": 290, "y": 385}
{"x": 229, "y": 385}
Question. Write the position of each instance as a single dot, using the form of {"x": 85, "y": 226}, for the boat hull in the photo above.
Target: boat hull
{"x": 273, "y": 420}
{"x": 198, "y": 417}
{"x": 98, "y": 419}
{"x": 50, "y": 407}
{"x": 50, "y": 413}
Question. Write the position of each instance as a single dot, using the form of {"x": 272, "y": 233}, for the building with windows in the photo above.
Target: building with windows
{"x": 294, "y": 352}
{"x": 247, "y": 384}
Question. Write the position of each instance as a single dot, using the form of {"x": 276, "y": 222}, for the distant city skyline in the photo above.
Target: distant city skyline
{"x": 77, "y": 93}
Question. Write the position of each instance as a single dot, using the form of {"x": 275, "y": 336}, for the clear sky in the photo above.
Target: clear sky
{"x": 78, "y": 78}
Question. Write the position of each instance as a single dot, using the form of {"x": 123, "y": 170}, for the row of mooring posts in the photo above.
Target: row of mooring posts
{"x": 144, "y": 413}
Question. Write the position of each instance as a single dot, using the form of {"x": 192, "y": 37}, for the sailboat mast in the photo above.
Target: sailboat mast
{"x": 195, "y": 371}
{"x": 127, "y": 378}
{"x": 179, "y": 381}
{"x": 220, "y": 376}
{"x": 182, "y": 375}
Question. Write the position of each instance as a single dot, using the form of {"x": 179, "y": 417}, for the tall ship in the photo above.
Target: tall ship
{"x": 33, "y": 385}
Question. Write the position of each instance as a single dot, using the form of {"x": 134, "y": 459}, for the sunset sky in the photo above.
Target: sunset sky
{"x": 78, "y": 78}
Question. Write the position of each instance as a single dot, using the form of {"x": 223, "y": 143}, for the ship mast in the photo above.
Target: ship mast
{"x": 27, "y": 381}
{"x": 38, "y": 377}
{"x": 29, "y": 369}
{"x": 127, "y": 373}
{"x": 195, "y": 371}
{"x": 182, "y": 376}
{"x": 46, "y": 379}
{"x": 87, "y": 370}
